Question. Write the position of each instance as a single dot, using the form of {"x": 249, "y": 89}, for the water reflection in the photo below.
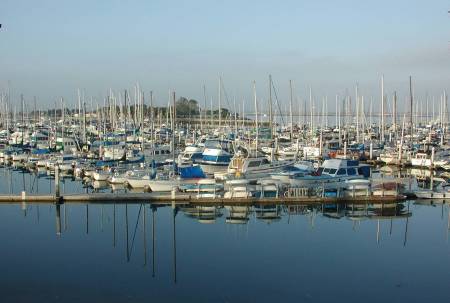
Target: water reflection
{"x": 134, "y": 227}
{"x": 235, "y": 214}
{"x": 151, "y": 249}
{"x": 203, "y": 214}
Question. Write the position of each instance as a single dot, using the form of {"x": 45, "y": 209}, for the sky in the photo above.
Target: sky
{"x": 50, "y": 49}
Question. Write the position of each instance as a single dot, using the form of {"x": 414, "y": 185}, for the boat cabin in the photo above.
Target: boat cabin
{"x": 343, "y": 168}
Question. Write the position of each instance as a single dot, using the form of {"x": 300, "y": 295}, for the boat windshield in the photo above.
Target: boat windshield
{"x": 329, "y": 171}
{"x": 218, "y": 144}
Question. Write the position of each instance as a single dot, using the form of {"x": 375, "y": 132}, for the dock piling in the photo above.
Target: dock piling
{"x": 57, "y": 193}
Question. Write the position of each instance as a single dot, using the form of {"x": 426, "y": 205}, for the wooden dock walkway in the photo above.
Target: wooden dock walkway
{"x": 183, "y": 198}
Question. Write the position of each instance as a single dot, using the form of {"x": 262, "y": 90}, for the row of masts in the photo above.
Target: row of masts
{"x": 125, "y": 110}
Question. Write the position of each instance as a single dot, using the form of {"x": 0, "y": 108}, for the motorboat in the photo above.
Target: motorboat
{"x": 333, "y": 173}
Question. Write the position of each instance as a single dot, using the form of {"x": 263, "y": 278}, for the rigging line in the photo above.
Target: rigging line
{"x": 278, "y": 103}
{"x": 226, "y": 96}
{"x": 135, "y": 229}
{"x": 32, "y": 186}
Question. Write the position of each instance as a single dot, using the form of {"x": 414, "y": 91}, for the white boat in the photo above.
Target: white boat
{"x": 253, "y": 168}
{"x": 300, "y": 168}
{"x": 163, "y": 185}
{"x": 101, "y": 175}
{"x": 289, "y": 152}
{"x": 65, "y": 162}
{"x": 332, "y": 174}
{"x": 431, "y": 194}
{"x": 40, "y": 139}
{"x": 216, "y": 156}
{"x": 191, "y": 154}
{"x": 134, "y": 156}
{"x": 357, "y": 187}
{"x": 114, "y": 152}
{"x": 238, "y": 188}
{"x": 120, "y": 177}
{"x": 158, "y": 153}
{"x": 422, "y": 159}
{"x": 208, "y": 188}
{"x": 391, "y": 157}
{"x": 441, "y": 191}
{"x": 19, "y": 157}
{"x": 268, "y": 188}
{"x": 65, "y": 166}
{"x": 66, "y": 145}
{"x": 41, "y": 162}
{"x": 138, "y": 181}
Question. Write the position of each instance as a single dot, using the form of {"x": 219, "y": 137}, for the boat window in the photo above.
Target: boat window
{"x": 351, "y": 171}
{"x": 265, "y": 161}
{"x": 326, "y": 170}
{"x": 156, "y": 152}
{"x": 341, "y": 171}
{"x": 332, "y": 171}
{"x": 254, "y": 163}
{"x": 212, "y": 144}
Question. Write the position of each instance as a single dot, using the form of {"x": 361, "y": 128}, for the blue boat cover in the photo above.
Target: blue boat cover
{"x": 38, "y": 151}
{"x": 191, "y": 172}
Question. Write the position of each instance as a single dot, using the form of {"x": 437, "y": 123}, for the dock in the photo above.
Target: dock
{"x": 184, "y": 198}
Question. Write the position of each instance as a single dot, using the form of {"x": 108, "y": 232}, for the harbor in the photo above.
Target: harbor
{"x": 165, "y": 203}
{"x": 224, "y": 151}
{"x": 126, "y": 146}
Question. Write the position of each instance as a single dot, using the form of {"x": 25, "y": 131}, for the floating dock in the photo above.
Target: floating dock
{"x": 183, "y": 198}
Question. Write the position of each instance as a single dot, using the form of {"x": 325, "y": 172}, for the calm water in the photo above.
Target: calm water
{"x": 130, "y": 253}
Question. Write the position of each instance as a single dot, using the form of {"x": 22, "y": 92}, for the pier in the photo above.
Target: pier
{"x": 183, "y": 198}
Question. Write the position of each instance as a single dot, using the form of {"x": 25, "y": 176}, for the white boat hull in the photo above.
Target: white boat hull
{"x": 163, "y": 185}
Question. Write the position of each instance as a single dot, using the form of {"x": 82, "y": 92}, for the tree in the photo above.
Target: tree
{"x": 187, "y": 107}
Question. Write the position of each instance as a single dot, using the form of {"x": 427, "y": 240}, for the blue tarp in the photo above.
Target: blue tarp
{"x": 191, "y": 172}
{"x": 38, "y": 151}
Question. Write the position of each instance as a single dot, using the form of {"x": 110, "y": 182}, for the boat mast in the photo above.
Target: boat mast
{"x": 142, "y": 121}
{"x": 235, "y": 119}
{"x": 394, "y": 112}
{"x": 62, "y": 126}
{"x": 125, "y": 120}
{"x": 411, "y": 106}
{"x": 220, "y": 102}
{"x": 204, "y": 108}
{"x": 311, "y": 110}
{"x": 290, "y": 109}
{"x": 152, "y": 123}
{"x": 256, "y": 117}
{"x": 357, "y": 112}
{"x": 270, "y": 107}
{"x": 23, "y": 119}
{"x": 382, "y": 108}
{"x": 84, "y": 122}
{"x": 174, "y": 115}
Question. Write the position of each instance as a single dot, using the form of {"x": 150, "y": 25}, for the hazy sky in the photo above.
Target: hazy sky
{"x": 52, "y": 48}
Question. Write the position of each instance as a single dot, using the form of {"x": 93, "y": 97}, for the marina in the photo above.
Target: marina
{"x": 224, "y": 151}
{"x": 229, "y": 196}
